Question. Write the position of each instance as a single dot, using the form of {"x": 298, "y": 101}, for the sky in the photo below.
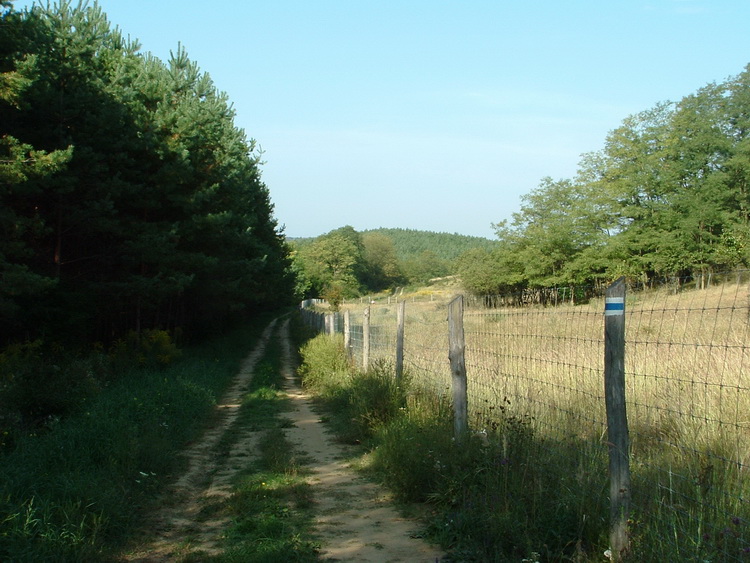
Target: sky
{"x": 435, "y": 115}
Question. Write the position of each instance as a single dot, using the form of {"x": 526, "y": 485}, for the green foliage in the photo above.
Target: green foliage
{"x": 382, "y": 268}
{"x": 424, "y": 255}
{"x": 413, "y": 448}
{"x": 129, "y": 200}
{"x": 666, "y": 196}
{"x": 152, "y": 348}
{"x": 40, "y": 384}
{"x": 374, "y": 399}
{"x": 347, "y": 262}
{"x": 363, "y": 401}
{"x": 411, "y": 244}
{"x": 332, "y": 262}
{"x": 501, "y": 495}
{"x": 324, "y": 366}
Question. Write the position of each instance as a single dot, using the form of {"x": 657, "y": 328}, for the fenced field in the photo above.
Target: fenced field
{"x": 541, "y": 359}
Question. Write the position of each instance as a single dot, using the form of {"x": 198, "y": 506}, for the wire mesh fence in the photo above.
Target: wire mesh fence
{"x": 540, "y": 355}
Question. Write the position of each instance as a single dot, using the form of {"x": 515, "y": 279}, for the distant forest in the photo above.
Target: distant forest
{"x": 410, "y": 244}
{"x": 129, "y": 200}
{"x": 667, "y": 196}
{"x": 345, "y": 262}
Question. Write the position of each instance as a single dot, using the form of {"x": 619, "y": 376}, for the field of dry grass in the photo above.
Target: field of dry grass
{"x": 688, "y": 393}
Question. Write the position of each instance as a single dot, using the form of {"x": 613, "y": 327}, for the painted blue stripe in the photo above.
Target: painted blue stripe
{"x": 614, "y": 306}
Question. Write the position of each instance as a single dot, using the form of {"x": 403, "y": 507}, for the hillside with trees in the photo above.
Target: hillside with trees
{"x": 412, "y": 243}
{"x": 666, "y": 196}
{"x": 129, "y": 198}
{"x": 345, "y": 262}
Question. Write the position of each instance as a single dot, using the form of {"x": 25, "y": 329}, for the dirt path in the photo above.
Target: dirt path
{"x": 355, "y": 520}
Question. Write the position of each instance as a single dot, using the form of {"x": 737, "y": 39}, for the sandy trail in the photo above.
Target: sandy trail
{"x": 355, "y": 521}
{"x": 354, "y": 517}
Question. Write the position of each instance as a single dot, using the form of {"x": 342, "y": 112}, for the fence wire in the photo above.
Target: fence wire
{"x": 540, "y": 356}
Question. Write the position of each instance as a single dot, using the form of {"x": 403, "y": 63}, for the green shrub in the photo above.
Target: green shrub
{"x": 150, "y": 348}
{"x": 324, "y": 368}
{"x": 413, "y": 449}
{"x": 375, "y": 398}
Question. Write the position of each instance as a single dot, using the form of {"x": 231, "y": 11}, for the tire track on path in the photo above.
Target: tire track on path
{"x": 181, "y": 527}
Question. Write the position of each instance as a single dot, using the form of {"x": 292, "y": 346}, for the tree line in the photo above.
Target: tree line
{"x": 667, "y": 196}
{"x": 128, "y": 197}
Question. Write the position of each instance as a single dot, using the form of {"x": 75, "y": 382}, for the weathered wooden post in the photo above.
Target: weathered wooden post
{"x": 456, "y": 351}
{"x": 329, "y": 320}
{"x": 366, "y": 339}
{"x": 400, "y": 339}
{"x": 617, "y": 420}
{"x": 347, "y": 335}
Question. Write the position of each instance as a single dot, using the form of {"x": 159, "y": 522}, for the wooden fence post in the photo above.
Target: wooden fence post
{"x": 366, "y": 339}
{"x": 400, "y": 339}
{"x": 328, "y": 320}
{"x": 456, "y": 349}
{"x": 617, "y": 420}
{"x": 347, "y": 335}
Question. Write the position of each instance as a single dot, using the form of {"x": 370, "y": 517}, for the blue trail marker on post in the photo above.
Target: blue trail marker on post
{"x": 617, "y": 419}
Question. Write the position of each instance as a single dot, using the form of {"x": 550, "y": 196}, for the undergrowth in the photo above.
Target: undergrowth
{"x": 76, "y": 475}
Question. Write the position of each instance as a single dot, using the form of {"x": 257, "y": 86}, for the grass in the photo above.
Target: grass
{"x": 535, "y": 487}
{"x": 73, "y": 486}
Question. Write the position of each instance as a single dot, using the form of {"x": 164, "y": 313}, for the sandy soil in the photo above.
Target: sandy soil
{"x": 355, "y": 520}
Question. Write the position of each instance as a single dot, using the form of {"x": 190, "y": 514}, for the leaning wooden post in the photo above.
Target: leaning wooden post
{"x": 456, "y": 349}
{"x": 366, "y": 340}
{"x": 400, "y": 339}
{"x": 347, "y": 335}
{"x": 617, "y": 420}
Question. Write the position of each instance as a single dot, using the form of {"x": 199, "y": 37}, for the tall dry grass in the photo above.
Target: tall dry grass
{"x": 687, "y": 359}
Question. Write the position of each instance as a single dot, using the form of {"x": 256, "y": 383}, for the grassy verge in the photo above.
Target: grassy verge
{"x": 505, "y": 495}
{"x": 73, "y": 487}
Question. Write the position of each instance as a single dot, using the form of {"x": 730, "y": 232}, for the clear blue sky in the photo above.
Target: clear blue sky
{"x": 435, "y": 114}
